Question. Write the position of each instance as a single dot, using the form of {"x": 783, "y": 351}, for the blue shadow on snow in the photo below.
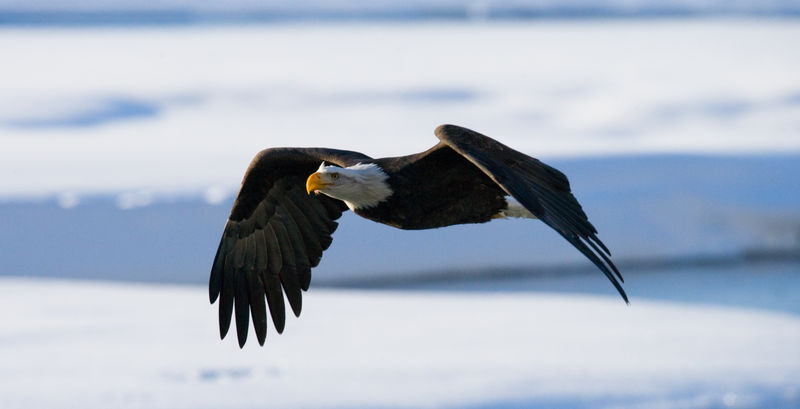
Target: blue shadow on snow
{"x": 108, "y": 110}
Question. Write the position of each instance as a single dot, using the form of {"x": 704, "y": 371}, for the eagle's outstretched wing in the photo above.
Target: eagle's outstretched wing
{"x": 543, "y": 190}
{"x": 275, "y": 233}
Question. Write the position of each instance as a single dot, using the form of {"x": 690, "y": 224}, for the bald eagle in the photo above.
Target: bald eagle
{"x": 285, "y": 212}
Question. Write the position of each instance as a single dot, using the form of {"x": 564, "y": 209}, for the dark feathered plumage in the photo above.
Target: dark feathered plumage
{"x": 277, "y": 231}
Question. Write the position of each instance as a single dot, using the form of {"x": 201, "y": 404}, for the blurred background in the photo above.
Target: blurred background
{"x": 125, "y": 129}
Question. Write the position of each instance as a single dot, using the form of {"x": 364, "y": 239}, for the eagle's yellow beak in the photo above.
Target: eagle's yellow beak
{"x": 315, "y": 182}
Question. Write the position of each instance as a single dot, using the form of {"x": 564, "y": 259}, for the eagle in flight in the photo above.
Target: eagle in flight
{"x": 284, "y": 215}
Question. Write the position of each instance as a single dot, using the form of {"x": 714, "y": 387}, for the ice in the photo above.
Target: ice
{"x": 650, "y": 209}
{"x": 98, "y": 345}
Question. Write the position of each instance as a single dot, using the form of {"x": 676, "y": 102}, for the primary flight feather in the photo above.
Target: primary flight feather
{"x": 285, "y": 212}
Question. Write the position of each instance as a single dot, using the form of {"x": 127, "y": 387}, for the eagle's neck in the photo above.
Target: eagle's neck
{"x": 370, "y": 187}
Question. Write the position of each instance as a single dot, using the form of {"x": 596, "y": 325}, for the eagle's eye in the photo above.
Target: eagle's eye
{"x": 334, "y": 176}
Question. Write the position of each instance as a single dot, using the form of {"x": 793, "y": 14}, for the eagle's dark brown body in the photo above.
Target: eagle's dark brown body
{"x": 461, "y": 195}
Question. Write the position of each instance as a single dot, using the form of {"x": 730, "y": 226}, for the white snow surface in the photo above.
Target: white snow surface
{"x": 150, "y": 112}
{"x": 73, "y": 344}
{"x": 473, "y": 7}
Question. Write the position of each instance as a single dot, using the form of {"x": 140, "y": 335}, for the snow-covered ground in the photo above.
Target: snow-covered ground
{"x": 74, "y": 344}
{"x": 144, "y": 113}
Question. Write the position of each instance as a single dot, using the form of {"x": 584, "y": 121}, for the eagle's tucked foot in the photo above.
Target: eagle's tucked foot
{"x": 515, "y": 210}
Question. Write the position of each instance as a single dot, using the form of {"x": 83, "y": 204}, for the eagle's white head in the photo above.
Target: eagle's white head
{"x": 360, "y": 186}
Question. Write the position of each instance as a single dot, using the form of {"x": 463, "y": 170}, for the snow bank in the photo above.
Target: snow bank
{"x": 94, "y": 345}
{"x": 146, "y": 113}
